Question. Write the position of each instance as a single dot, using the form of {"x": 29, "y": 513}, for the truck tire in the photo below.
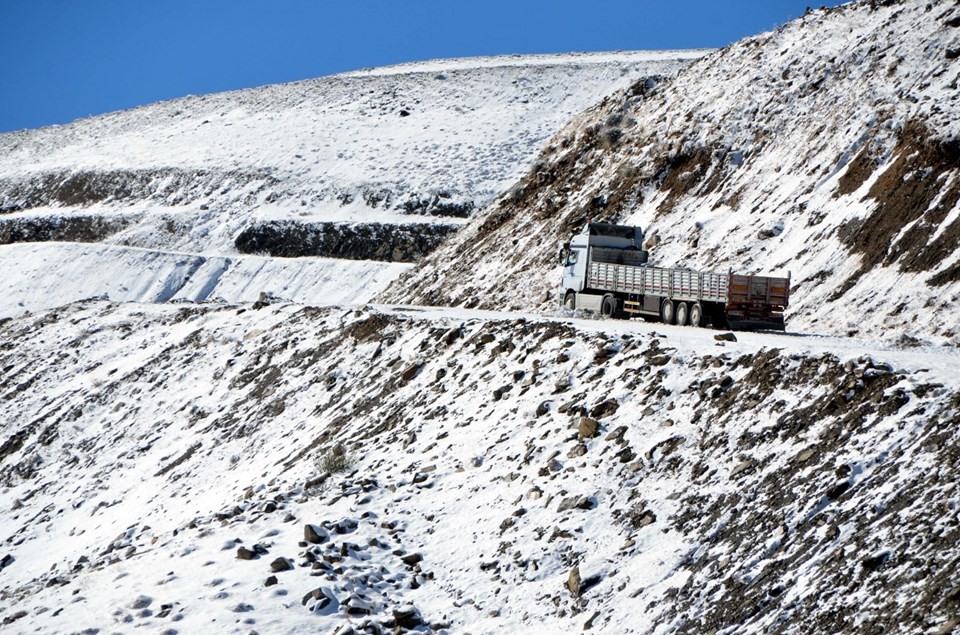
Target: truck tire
{"x": 696, "y": 315}
{"x": 570, "y": 300}
{"x": 682, "y": 314}
{"x": 667, "y": 313}
{"x": 608, "y": 307}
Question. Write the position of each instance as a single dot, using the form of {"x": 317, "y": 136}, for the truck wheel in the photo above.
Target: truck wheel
{"x": 667, "y": 314}
{"x": 682, "y": 314}
{"x": 570, "y": 300}
{"x": 608, "y": 308}
{"x": 696, "y": 315}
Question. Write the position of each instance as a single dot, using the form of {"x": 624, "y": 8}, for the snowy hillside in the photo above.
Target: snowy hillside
{"x": 166, "y": 467}
{"x": 225, "y": 461}
{"x": 403, "y": 153}
{"x": 828, "y": 148}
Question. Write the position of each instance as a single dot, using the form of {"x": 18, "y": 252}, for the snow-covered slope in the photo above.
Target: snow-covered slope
{"x": 166, "y": 467}
{"x": 335, "y": 149}
{"x": 828, "y": 148}
{"x": 410, "y": 146}
{"x": 38, "y": 274}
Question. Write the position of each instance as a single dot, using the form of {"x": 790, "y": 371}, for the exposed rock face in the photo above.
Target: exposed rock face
{"x": 170, "y": 186}
{"x": 389, "y": 243}
{"x": 79, "y": 228}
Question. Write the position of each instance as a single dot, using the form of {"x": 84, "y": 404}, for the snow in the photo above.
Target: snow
{"x": 43, "y": 275}
{"x": 192, "y": 173}
{"x": 798, "y": 482}
{"x": 439, "y": 468}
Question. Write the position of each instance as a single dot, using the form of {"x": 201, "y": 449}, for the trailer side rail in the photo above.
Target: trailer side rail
{"x": 676, "y": 284}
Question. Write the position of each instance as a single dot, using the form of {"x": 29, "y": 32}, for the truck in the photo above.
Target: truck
{"x": 605, "y": 270}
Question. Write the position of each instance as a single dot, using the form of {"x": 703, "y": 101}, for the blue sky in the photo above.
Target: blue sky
{"x": 65, "y": 59}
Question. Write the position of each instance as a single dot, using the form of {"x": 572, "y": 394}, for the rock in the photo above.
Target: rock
{"x": 411, "y": 559}
{"x": 575, "y": 502}
{"x": 345, "y": 525}
{"x": 573, "y": 582}
{"x": 357, "y": 605}
{"x": 6, "y": 561}
{"x": 617, "y": 435}
{"x": 874, "y": 562}
{"x": 949, "y": 626}
{"x": 589, "y": 623}
{"x": 326, "y": 601}
{"x": 407, "y": 617}
{"x": 626, "y": 454}
{"x": 644, "y": 518}
{"x": 588, "y": 428}
{"x": 270, "y": 581}
{"x": 605, "y": 409}
{"x": 667, "y": 446}
{"x": 725, "y": 337}
{"x": 838, "y": 490}
{"x": 269, "y": 507}
{"x": 10, "y": 619}
{"x": 742, "y": 466}
{"x": 245, "y": 554}
{"x": 578, "y": 450}
{"x": 315, "y": 535}
{"x": 281, "y": 564}
{"x": 806, "y": 455}
{"x": 543, "y": 408}
{"x": 142, "y": 602}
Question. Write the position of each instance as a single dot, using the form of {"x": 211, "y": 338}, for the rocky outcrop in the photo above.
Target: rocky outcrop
{"x": 355, "y": 241}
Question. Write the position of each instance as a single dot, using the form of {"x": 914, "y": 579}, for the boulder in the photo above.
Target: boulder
{"x": 407, "y": 617}
{"x": 573, "y": 582}
{"x": 588, "y": 428}
{"x": 411, "y": 559}
{"x": 141, "y": 602}
{"x": 575, "y": 502}
{"x": 315, "y": 535}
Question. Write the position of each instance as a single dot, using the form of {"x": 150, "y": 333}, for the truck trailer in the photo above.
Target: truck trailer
{"x": 605, "y": 270}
